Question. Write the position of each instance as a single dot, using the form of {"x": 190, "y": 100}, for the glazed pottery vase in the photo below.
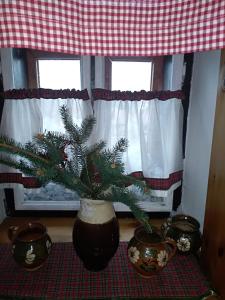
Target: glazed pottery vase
{"x": 149, "y": 253}
{"x": 31, "y": 245}
{"x": 96, "y": 233}
{"x": 184, "y": 230}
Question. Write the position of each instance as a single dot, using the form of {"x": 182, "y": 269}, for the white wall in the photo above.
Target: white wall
{"x": 199, "y": 133}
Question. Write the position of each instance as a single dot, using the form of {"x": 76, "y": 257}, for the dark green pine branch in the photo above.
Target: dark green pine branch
{"x": 11, "y": 147}
{"x": 87, "y": 128}
{"x": 96, "y": 148}
{"x": 92, "y": 171}
{"x": 111, "y": 173}
{"x": 115, "y": 154}
{"x": 71, "y": 182}
{"x": 19, "y": 165}
{"x": 78, "y": 136}
{"x": 129, "y": 199}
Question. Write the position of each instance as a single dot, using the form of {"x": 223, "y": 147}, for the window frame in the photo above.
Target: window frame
{"x": 157, "y": 77}
{"x": 9, "y": 76}
{"x": 163, "y": 204}
{"x": 32, "y": 56}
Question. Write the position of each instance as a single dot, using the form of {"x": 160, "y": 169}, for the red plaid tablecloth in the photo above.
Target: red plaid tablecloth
{"x": 113, "y": 28}
{"x": 64, "y": 277}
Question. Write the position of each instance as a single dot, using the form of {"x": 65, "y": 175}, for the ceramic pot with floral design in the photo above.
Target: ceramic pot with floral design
{"x": 184, "y": 230}
{"x": 149, "y": 253}
{"x": 31, "y": 245}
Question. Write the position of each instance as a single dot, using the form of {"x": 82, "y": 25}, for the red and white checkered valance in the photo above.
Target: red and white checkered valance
{"x": 113, "y": 28}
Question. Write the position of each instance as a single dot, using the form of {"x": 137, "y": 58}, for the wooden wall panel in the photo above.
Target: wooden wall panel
{"x": 214, "y": 226}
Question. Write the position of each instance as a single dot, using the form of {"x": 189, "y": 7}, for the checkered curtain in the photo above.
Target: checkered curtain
{"x": 113, "y": 27}
{"x": 152, "y": 123}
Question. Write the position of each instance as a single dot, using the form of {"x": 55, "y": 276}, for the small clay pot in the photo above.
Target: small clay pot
{"x": 31, "y": 245}
{"x": 184, "y": 230}
{"x": 149, "y": 253}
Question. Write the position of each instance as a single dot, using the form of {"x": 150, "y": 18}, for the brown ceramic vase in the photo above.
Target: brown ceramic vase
{"x": 31, "y": 245}
{"x": 96, "y": 233}
{"x": 149, "y": 253}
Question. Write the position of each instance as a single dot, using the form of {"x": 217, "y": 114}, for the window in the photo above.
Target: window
{"x": 96, "y": 72}
{"x": 133, "y": 74}
{"x": 60, "y": 71}
{"x": 57, "y": 71}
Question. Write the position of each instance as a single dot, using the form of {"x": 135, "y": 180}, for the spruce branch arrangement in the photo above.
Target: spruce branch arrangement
{"x": 92, "y": 171}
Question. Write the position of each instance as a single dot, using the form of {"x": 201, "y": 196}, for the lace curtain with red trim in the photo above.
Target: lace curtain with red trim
{"x": 150, "y": 121}
{"x": 28, "y": 112}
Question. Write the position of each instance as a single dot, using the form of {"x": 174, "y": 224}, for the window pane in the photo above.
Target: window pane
{"x": 131, "y": 76}
{"x": 59, "y": 74}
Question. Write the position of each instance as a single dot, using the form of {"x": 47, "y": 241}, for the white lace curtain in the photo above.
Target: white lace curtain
{"x": 27, "y": 113}
{"x": 153, "y": 125}
{"x": 33, "y": 112}
{"x": 151, "y": 122}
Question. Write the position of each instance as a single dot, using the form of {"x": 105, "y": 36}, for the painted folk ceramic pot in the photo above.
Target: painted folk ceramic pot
{"x": 31, "y": 245}
{"x": 96, "y": 233}
{"x": 185, "y": 231}
{"x": 149, "y": 253}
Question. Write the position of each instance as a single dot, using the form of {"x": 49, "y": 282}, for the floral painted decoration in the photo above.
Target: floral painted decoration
{"x": 133, "y": 254}
{"x": 183, "y": 244}
{"x": 30, "y": 256}
{"x": 162, "y": 258}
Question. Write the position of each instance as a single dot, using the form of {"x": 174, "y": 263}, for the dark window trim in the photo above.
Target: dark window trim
{"x": 186, "y": 88}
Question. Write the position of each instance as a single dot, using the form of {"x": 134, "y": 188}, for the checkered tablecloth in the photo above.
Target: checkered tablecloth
{"x": 113, "y": 27}
{"x": 64, "y": 277}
